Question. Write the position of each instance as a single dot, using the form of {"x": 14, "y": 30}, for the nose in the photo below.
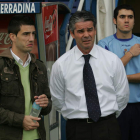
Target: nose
{"x": 86, "y": 34}
{"x": 31, "y": 37}
{"x": 126, "y": 19}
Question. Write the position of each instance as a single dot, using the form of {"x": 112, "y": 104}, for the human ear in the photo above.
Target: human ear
{"x": 114, "y": 21}
{"x": 72, "y": 34}
{"x": 12, "y": 37}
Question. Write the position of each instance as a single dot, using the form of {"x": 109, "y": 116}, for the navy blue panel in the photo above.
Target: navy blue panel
{"x": 63, "y": 28}
{"x": 18, "y": 8}
{"x": 70, "y": 4}
{"x": 62, "y": 34}
{"x": 75, "y": 6}
{"x": 13, "y": 0}
{"x": 87, "y": 5}
{"x": 116, "y": 3}
{"x": 63, "y": 128}
{"x": 93, "y": 7}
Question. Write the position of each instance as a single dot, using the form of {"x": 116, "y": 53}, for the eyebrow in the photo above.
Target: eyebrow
{"x": 126, "y": 15}
{"x": 80, "y": 29}
{"x": 83, "y": 29}
{"x": 34, "y": 32}
{"x": 90, "y": 28}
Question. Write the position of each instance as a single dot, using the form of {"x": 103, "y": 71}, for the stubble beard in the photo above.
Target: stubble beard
{"x": 125, "y": 32}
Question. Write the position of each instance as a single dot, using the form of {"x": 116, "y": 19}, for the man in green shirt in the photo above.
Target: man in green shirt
{"x": 23, "y": 80}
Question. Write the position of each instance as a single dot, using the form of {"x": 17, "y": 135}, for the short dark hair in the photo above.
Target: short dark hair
{"x": 123, "y": 6}
{"x": 17, "y": 21}
{"x": 80, "y": 16}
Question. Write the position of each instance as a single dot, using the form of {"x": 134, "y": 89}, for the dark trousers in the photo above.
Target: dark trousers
{"x": 129, "y": 122}
{"x": 104, "y": 129}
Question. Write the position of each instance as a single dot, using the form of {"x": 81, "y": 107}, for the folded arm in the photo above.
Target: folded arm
{"x": 133, "y": 52}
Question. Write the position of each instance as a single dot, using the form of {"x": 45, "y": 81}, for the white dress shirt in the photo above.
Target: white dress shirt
{"x": 19, "y": 61}
{"x": 67, "y": 89}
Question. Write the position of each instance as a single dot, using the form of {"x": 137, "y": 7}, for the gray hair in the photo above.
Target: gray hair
{"x": 81, "y": 16}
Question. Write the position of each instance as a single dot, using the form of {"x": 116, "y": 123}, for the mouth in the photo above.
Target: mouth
{"x": 30, "y": 45}
{"x": 126, "y": 26}
{"x": 86, "y": 41}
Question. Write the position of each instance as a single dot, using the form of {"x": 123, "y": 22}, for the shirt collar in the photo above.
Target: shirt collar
{"x": 93, "y": 52}
{"x": 19, "y": 61}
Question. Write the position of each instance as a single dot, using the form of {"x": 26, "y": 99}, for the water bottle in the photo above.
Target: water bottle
{"x": 35, "y": 110}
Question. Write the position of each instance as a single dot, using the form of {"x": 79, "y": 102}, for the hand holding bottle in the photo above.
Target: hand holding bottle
{"x": 29, "y": 124}
{"x": 42, "y": 100}
{"x": 39, "y": 103}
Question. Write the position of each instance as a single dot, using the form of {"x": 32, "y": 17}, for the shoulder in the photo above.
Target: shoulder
{"x": 62, "y": 63}
{"x": 110, "y": 59}
{"x": 65, "y": 57}
{"x": 106, "y": 42}
{"x": 136, "y": 37}
{"x": 40, "y": 64}
{"x": 107, "y": 39}
{"x": 39, "y": 61}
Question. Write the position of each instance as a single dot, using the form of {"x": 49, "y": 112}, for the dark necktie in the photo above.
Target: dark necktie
{"x": 92, "y": 101}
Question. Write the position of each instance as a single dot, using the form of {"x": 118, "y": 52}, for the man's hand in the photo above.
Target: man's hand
{"x": 28, "y": 123}
{"x": 42, "y": 100}
{"x": 135, "y": 50}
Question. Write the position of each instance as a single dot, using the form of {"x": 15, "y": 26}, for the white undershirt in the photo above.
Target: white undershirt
{"x": 20, "y": 61}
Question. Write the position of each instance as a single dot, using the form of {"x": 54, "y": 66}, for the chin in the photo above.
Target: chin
{"x": 126, "y": 32}
{"x": 87, "y": 47}
{"x": 28, "y": 50}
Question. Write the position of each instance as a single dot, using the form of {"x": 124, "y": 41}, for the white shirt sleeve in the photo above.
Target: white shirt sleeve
{"x": 121, "y": 86}
{"x": 57, "y": 87}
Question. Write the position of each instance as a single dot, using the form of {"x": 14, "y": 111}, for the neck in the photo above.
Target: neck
{"x": 21, "y": 55}
{"x": 121, "y": 35}
{"x": 85, "y": 50}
